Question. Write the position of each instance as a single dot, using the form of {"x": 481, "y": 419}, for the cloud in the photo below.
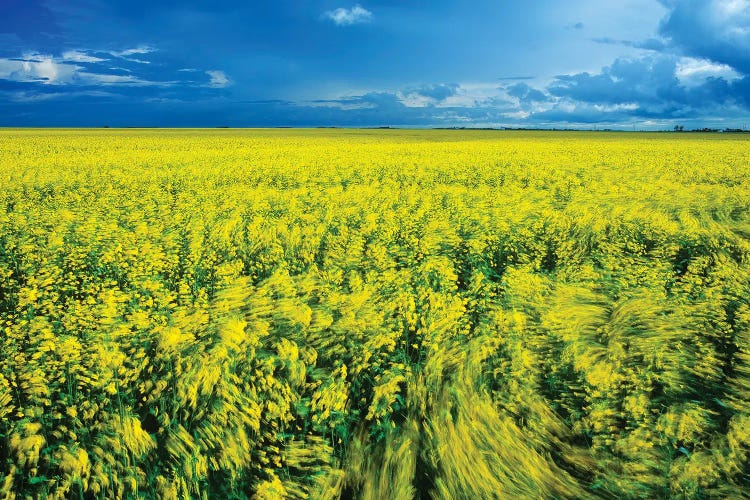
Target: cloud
{"x": 661, "y": 86}
{"x": 436, "y": 92}
{"x": 691, "y": 71}
{"x": 653, "y": 90}
{"x": 32, "y": 97}
{"x": 347, "y": 17}
{"x": 698, "y": 68}
{"x": 218, "y": 79}
{"x": 368, "y": 100}
{"x": 718, "y": 30}
{"x": 526, "y": 93}
{"x": 141, "y": 49}
{"x": 649, "y": 44}
{"x": 426, "y": 95}
{"x": 653, "y": 44}
{"x": 48, "y": 70}
{"x": 527, "y": 98}
{"x": 45, "y": 69}
{"x": 582, "y": 114}
{"x": 80, "y": 57}
{"x": 649, "y": 79}
{"x": 109, "y": 79}
{"x": 80, "y": 69}
{"x": 437, "y": 104}
{"x": 37, "y": 68}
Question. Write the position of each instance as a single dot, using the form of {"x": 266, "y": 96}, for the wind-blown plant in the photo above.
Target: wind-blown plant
{"x": 336, "y": 314}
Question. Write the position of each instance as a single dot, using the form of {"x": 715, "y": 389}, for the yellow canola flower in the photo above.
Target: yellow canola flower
{"x": 375, "y": 314}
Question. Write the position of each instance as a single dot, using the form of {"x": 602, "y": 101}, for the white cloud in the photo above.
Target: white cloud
{"x": 218, "y": 79}
{"x": 80, "y": 56}
{"x": 28, "y": 97}
{"x": 517, "y": 115}
{"x": 50, "y": 70}
{"x": 37, "y": 97}
{"x": 344, "y": 105}
{"x": 37, "y": 68}
{"x": 729, "y": 8}
{"x": 106, "y": 79}
{"x": 66, "y": 70}
{"x": 141, "y": 49}
{"x": 347, "y": 17}
{"x": 694, "y": 71}
{"x": 414, "y": 100}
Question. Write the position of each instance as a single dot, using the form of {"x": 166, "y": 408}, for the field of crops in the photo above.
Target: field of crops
{"x": 374, "y": 314}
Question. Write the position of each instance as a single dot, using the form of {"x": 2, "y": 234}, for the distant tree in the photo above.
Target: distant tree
{"x": 679, "y": 128}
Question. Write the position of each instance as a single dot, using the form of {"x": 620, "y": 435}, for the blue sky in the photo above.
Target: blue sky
{"x": 540, "y": 63}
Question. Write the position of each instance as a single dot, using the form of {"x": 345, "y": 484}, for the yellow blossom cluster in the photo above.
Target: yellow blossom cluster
{"x": 373, "y": 314}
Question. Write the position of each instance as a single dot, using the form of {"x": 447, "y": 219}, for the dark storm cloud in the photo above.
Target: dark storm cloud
{"x": 526, "y": 93}
{"x": 718, "y": 30}
{"x": 438, "y": 92}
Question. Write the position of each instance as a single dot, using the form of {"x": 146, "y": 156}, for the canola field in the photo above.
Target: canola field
{"x": 377, "y": 314}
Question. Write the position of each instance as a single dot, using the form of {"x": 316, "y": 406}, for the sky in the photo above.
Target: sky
{"x": 630, "y": 64}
